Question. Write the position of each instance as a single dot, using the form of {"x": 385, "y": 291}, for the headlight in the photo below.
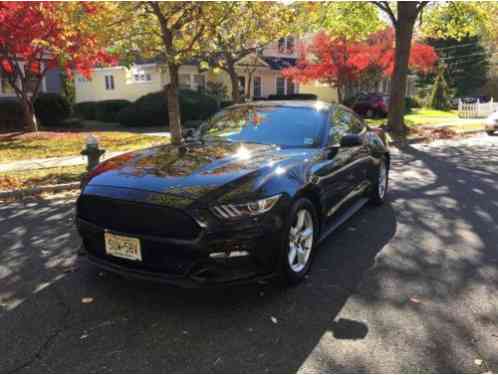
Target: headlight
{"x": 236, "y": 211}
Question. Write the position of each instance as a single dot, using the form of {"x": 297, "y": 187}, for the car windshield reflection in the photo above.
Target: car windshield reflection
{"x": 284, "y": 126}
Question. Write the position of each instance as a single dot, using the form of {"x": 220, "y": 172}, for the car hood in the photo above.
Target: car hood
{"x": 197, "y": 171}
{"x": 493, "y": 117}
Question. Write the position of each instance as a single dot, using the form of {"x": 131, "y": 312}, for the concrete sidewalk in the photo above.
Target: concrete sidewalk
{"x": 64, "y": 161}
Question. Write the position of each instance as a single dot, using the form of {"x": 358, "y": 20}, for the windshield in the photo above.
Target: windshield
{"x": 285, "y": 126}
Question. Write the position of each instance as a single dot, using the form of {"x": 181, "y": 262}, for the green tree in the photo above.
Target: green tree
{"x": 172, "y": 31}
{"x": 240, "y": 29}
{"x": 466, "y": 61}
{"x": 439, "y": 98}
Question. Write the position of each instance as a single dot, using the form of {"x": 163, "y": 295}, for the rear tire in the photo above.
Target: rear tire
{"x": 300, "y": 237}
{"x": 379, "y": 187}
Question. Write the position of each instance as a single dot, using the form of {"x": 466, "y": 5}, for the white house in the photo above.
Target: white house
{"x": 259, "y": 76}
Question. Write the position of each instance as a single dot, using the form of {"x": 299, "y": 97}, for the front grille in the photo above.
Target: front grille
{"x": 137, "y": 218}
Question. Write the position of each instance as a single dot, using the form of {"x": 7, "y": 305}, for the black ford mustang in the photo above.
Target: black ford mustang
{"x": 247, "y": 197}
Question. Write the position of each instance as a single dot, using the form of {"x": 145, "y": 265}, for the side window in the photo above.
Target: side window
{"x": 339, "y": 124}
{"x": 357, "y": 125}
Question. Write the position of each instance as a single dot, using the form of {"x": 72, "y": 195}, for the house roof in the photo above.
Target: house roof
{"x": 279, "y": 63}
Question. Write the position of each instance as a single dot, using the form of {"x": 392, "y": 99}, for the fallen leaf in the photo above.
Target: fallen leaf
{"x": 87, "y": 300}
{"x": 274, "y": 320}
{"x": 261, "y": 294}
{"x": 415, "y": 300}
{"x": 83, "y": 336}
{"x": 478, "y": 361}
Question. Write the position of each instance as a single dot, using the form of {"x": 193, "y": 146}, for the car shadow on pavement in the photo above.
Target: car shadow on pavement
{"x": 64, "y": 315}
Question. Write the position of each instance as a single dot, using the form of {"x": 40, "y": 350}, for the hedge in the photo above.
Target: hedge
{"x": 152, "y": 109}
{"x": 52, "y": 109}
{"x": 107, "y": 110}
{"x": 86, "y": 110}
{"x": 11, "y": 114}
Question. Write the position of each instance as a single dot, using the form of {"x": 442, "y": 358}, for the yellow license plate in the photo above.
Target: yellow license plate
{"x": 122, "y": 246}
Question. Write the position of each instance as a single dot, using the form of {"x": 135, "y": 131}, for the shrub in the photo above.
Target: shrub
{"x": 152, "y": 109}
{"x": 51, "y": 109}
{"x": 11, "y": 115}
{"x": 149, "y": 110}
{"x": 86, "y": 110}
{"x": 196, "y": 106}
{"x": 107, "y": 110}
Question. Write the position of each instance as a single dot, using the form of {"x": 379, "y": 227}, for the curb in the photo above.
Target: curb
{"x": 418, "y": 140}
{"x": 42, "y": 189}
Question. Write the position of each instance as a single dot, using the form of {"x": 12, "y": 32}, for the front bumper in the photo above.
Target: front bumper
{"x": 187, "y": 263}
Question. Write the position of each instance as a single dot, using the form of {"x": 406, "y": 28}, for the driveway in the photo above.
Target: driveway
{"x": 408, "y": 287}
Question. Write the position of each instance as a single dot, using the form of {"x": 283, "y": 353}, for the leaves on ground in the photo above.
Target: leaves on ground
{"x": 87, "y": 300}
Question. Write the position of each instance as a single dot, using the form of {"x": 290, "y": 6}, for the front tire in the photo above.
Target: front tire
{"x": 381, "y": 183}
{"x": 299, "y": 241}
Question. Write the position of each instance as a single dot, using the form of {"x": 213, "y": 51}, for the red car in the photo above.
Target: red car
{"x": 369, "y": 105}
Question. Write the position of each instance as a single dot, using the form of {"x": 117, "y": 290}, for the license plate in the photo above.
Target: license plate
{"x": 122, "y": 246}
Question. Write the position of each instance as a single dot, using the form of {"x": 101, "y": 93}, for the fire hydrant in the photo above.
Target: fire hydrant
{"x": 92, "y": 152}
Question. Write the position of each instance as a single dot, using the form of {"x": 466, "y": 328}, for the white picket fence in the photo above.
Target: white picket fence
{"x": 476, "y": 110}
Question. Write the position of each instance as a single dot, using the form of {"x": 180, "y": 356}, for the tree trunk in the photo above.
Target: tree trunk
{"x": 29, "y": 117}
{"x": 234, "y": 79}
{"x": 407, "y": 14}
{"x": 174, "y": 117}
{"x": 340, "y": 94}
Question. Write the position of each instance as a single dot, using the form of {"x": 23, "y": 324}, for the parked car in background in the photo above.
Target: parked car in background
{"x": 491, "y": 123}
{"x": 248, "y": 197}
{"x": 369, "y": 105}
{"x": 474, "y": 99}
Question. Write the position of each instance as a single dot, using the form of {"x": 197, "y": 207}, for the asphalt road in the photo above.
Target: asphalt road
{"x": 408, "y": 287}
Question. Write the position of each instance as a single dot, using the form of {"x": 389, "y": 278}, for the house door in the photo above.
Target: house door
{"x": 242, "y": 86}
{"x": 257, "y": 87}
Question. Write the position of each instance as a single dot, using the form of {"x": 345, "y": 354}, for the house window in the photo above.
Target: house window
{"x": 291, "y": 89}
{"x": 142, "y": 77}
{"x": 184, "y": 81}
{"x": 82, "y": 79}
{"x": 290, "y": 44}
{"x": 286, "y": 45}
{"x": 281, "y": 45}
{"x": 280, "y": 86}
{"x": 109, "y": 82}
{"x": 257, "y": 87}
{"x": 199, "y": 81}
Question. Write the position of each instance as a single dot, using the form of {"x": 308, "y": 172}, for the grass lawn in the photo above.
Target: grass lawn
{"x": 47, "y": 144}
{"x": 422, "y": 116}
{"x": 40, "y": 177}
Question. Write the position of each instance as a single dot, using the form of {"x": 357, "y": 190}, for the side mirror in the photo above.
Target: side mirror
{"x": 351, "y": 140}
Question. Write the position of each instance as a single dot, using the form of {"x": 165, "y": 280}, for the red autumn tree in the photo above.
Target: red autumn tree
{"x": 338, "y": 62}
{"x": 38, "y": 36}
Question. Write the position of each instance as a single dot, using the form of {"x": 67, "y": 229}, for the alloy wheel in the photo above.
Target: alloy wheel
{"x": 300, "y": 240}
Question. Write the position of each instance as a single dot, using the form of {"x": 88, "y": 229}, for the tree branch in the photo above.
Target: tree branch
{"x": 386, "y": 8}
